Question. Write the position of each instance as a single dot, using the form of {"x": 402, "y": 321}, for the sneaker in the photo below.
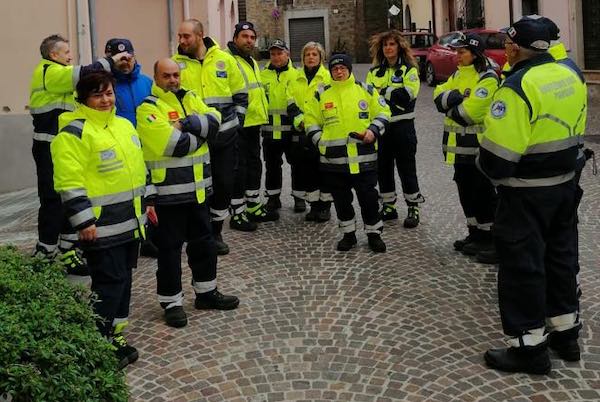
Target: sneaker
{"x": 262, "y": 214}
{"x": 376, "y": 244}
{"x": 175, "y": 317}
{"x": 125, "y": 353}
{"x": 242, "y": 223}
{"x": 299, "y": 205}
{"x": 347, "y": 242}
{"x": 324, "y": 213}
{"x": 526, "y": 359}
{"x": 389, "y": 212}
{"x": 220, "y": 245}
{"x": 215, "y": 300}
{"x": 273, "y": 203}
{"x": 74, "y": 263}
{"x": 412, "y": 219}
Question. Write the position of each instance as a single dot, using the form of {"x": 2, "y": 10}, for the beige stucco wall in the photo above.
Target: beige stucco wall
{"x": 420, "y": 12}
{"x": 497, "y": 13}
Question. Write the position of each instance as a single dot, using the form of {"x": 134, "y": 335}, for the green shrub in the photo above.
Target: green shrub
{"x": 50, "y": 349}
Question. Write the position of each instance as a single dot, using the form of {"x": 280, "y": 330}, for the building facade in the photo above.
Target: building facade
{"x": 88, "y": 24}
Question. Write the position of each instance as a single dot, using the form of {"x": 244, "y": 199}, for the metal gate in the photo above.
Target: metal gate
{"x": 303, "y": 30}
{"x": 591, "y": 34}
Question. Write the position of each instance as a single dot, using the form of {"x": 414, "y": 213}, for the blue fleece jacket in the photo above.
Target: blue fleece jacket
{"x": 131, "y": 90}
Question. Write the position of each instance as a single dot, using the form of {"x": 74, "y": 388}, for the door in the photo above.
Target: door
{"x": 303, "y": 30}
{"x": 591, "y": 34}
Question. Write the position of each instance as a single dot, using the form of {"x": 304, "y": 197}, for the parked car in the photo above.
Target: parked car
{"x": 442, "y": 61}
{"x": 420, "y": 42}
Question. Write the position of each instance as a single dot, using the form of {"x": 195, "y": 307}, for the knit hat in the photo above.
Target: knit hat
{"x": 343, "y": 59}
{"x": 242, "y": 26}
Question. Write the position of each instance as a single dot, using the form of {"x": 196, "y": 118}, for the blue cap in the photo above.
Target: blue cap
{"x": 532, "y": 32}
{"x": 117, "y": 45}
{"x": 471, "y": 41}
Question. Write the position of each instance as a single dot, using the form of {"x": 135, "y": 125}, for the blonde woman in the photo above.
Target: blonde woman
{"x": 395, "y": 75}
{"x": 312, "y": 76}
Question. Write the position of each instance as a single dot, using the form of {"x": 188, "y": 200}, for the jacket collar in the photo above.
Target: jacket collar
{"x": 343, "y": 84}
{"x": 96, "y": 117}
{"x": 235, "y": 51}
{"x": 168, "y": 97}
{"x": 119, "y": 76}
{"x": 288, "y": 66}
{"x": 532, "y": 62}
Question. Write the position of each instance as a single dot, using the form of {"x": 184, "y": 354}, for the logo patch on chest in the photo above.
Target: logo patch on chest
{"x": 173, "y": 115}
{"x": 396, "y": 80}
{"x": 220, "y": 65}
{"x": 329, "y": 105}
{"x": 108, "y": 155}
{"x": 221, "y": 74}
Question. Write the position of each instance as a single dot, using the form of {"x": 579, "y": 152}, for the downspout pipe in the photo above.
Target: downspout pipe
{"x": 433, "y": 16}
{"x": 170, "y": 24}
{"x": 93, "y": 34}
{"x": 186, "y": 9}
{"x": 511, "y": 12}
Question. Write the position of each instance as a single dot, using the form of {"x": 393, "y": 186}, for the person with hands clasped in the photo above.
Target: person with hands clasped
{"x": 465, "y": 99}
{"x": 344, "y": 120}
{"x": 396, "y": 76}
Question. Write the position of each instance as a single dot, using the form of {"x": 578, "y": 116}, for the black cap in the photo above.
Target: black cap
{"x": 532, "y": 32}
{"x": 471, "y": 41}
{"x": 279, "y": 44}
{"x": 242, "y": 26}
{"x": 340, "y": 58}
{"x": 116, "y": 45}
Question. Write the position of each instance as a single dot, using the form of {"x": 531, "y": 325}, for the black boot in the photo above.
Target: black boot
{"x": 215, "y": 300}
{"x": 126, "y": 354}
{"x": 565, "y": 345}
{"x": 376, "y": 244}
{"x": 175, "y": 317}
{"x": 258, "y": 213}
{"x": 488, "y": 256}
{"x": 73, "y": 262}
{"x": 220, "y": 245}
{"x": 273, "y": 203}
{"x": 525, "y": 359}
{"x": 313, "y": 214}
{"x": 242, "y": 223}
{"x": 299, "y": 205}
{"x": 481, "y": 242}
{"x": 389, "y": 212}
{"x": 412, "y": 219}
{"x": 459, "y": 244}
{"x": 324, "y": 212}
{"x": 347, "y": 242}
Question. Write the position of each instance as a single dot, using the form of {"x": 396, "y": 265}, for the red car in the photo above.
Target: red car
{"x": 420, "y": 42}
{"x": 441, "y": 58}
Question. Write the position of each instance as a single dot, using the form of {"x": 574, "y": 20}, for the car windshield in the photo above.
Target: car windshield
{"x": 446, "y": 39}
{"x": 416, "y": 40}
{"x": 493, "y": 40}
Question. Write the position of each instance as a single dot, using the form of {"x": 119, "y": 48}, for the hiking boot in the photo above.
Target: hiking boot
{"x": 347, "y": 242}
{"x": 215, "y": 300}
{"x": 221, "y": 247}
{"x": 565, "y": 345}
{"x": 482, "y": 241}
{"x": 389, "y": 212}
{"x": 487, "y": 256}
{"x": 299, "y": 205}
{"x": 324, "y": 213}
{"x": 412, "y": 219}
{"x": 273, "y": 203}
{"x": 376, "y": 244}
{"x": 242, "y": 223}
{"x": 459, "y": 244}
{"x": 525, "y": 359}
{"x": 259, "y": 213}
{"x": 313, "y": 214}
{"x": 125, "y": 353}
{"x": 74, "y": 263}
{"x": 175, "y": 317}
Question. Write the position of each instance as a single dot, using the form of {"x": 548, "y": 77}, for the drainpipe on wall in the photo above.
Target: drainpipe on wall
{"x": 433, "y": 16}
{"x": 93, "y": 35}
{"x": 186, "y": 9}
{"x": 82, "y": 32}
{"x": 511, "y": 12}
{"x": 170, "y": 24}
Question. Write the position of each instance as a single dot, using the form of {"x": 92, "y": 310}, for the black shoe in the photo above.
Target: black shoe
{"x": 324, "y": 213}
{"x": 480, "y": 243}
{"x": 347, "y": 242}
{"x": 412, "y": 219}
{"x": 215, "y": 300}
{"x": 175, "y": 317}
{"x": 273, "y": 203}
{"x": 565, "y": 345}
{"x": 73, "y": 261}
{"x": 389, "y": 212}
{"x": 148, "y": 249}
{"x": 299, "y": 205}
{"x": 488, "y": 256}
{"x": 262, "y": 214}
{"x": 376, "y": 244}
{"x": 125, "y": 353}
{"x": 526, "y": 359}
{"x": 242, "y": 223}
{"x": 220, "y": 245}
{"x": 459, "y": 244}
{"x": 313, "y": 214}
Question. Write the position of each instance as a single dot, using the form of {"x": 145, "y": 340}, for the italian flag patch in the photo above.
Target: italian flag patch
{"x": 151, "y": 118}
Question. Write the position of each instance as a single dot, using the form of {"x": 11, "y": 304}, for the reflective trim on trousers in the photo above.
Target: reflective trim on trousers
{"x": 312, "y": 196}
{"x": 460, "y": 150}
{"x": 388, "y": 198}
{"x": 203, "y": 287}
{"x": 173, "y": 301}
{"x": 347, "y": 226}
{"x": 43, "y": 137}
{"x": 405, "y": 116}
{"x": 541, "y": 182}
{"x": 415, "y": 197}
{"x": 179, "y": 162}
{"x": 298, "y": 194}
{"x": 563, "y": 322}
{"x": 486, "y": 227}
{"x": 219, "y": 214}
{"x": 376, "y": 228}
{"x": 272, "y": 192}
{"x": 533, "y": 337}
{"x": 471, "y": 221}
{"x": 325, "y": 197}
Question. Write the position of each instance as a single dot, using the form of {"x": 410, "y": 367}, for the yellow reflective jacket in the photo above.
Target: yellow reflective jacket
{"x": 465, "y": 99}
{"x": 338, "y": 110}
{"x": 277, "y": 83}
{"x": 219, "y": 82}
{"x": 399, "y": 85}
{"x": 179, "y": 161}
{"x": 51, "y": 93}
{"x": 534, "y": 126}
{"x": 303, "y": 91}
{"x": 100, "y": 174}
{"x": 258, "y": 105}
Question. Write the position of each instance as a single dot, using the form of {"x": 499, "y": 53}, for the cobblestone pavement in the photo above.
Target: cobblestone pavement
{"x": 315, "y": 324}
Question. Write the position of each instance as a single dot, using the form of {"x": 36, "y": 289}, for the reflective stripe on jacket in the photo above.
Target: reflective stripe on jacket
{"x": 179, "y": 161}
{"x": 100, "y": 174}
{"x": 277, "y": 83}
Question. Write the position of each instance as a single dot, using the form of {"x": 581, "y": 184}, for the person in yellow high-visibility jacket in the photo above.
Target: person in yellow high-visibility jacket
{"x": 464, "y": 99}
{"x": 344, "y": 120}
{"x": 100, "y": 175}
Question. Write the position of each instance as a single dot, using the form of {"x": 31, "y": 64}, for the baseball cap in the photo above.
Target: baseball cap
{"x": 117, "y": 45}
{"x": 279, "y": 44}
{"x": 471, "y": 41}
{"x": 532, "y": 32}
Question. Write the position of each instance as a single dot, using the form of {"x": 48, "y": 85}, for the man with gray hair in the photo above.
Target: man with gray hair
{"x": 52, "y": 86}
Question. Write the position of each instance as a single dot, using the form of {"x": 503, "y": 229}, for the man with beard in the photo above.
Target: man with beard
{"x": 215, "y": 77}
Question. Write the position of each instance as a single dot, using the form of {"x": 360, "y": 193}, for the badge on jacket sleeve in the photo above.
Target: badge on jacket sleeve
{"x": 363, "y": 105}
{"x": 173, "y": 115}
{"x": 498, "y": 109}
{"x": 382, "y": 101}
{"x": 481, "y": 93}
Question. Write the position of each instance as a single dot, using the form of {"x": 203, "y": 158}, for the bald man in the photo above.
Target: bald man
{"x": 174, "y": 125}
